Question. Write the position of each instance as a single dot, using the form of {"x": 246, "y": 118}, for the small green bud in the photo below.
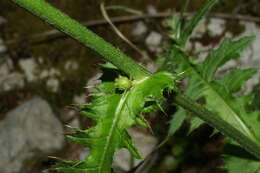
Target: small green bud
{"x": 123, "y": 83}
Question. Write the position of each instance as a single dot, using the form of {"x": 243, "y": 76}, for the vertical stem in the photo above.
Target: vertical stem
{"x": 86, "y": 37}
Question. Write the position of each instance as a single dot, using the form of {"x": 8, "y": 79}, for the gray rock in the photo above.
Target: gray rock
{"x": 2, "y": 20}
{"x": 12, "y": 80}
{"x": 153, "y": 41}
{"x": 53, "y": 84}
{"x": 139, "y": 29}
{"x": 251, "y": 56}
{"x": 94, "y": 81}
{"x": 48, "y": 73}
{"x": 79, "y": 99}
{"x": 200, "y": 29}
{"x": 71, "y": 66}
{"x": 151, "y": 10}
{"x": 8, "y": 78}
{"x": 30, "y": 67}
{"x": 216, "y": 27}
{"x": 3, "y": 48}
{"x": 27, "y": 131}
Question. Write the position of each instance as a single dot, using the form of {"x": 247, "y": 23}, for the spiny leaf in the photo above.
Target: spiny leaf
{"x": 218, "y": 96}
{"x": 175, "y": 23}
{"x": 233, "y": 82}
{"x": 114, "y": 113}
{"x": 228, "y": 50}
{"x": 181, "y": 29}
{"x": 191, "y": 24}
{"x": 180, "y": 32}
{"x": 230, "y": 83}
{"x": 232, "y": 110}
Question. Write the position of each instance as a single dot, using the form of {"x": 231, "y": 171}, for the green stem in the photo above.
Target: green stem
{"x": 217, "y": 122}
{"x": 88, "y": 38}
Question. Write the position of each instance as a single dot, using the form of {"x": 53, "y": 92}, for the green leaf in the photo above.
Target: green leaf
{"x": 218, "y": 94}
{"x": 175, "y": 23}
{"x": 228, "y": 50}
{"x": 236, "y": 159}
{"x": 108, "y": 65}
{"x": 233, "y": 82}
{"x": 191, "y": 24}
{"x": 180, "y": 31}
{"x": 195, "y": 123}
{"x": 236, "y": 164}
{"x": 114, "y": 113}
{"x": 177, "y": 121}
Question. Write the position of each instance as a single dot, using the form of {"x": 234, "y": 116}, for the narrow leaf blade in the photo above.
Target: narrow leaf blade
{"x": 176, "y": 121}
{"x": 189, "y": 27}
{"x": 228, "y": 50}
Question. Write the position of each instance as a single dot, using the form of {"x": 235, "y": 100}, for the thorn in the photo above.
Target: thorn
{"x": 149, "y": 127}
{"x": 160, "y": 107}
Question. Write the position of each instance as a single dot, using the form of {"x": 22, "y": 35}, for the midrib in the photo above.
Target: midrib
{"x": 237, "y": 118}
{"x": 111, "y": 131}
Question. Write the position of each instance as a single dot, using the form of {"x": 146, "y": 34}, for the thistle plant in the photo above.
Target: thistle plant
{"x": 120, "y": 104}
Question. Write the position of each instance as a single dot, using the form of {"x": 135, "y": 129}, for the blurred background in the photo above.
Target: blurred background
{"x": 43, "y": 74}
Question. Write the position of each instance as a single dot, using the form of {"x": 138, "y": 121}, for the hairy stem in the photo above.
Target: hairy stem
{"x": 217, "y": 122}
{"x": 86, "y": 37}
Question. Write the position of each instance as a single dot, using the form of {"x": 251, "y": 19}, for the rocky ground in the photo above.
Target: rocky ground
{"x": 38, "y": 81}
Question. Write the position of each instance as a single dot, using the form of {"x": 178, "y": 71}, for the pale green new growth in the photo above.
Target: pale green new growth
{"x": 123, "y": 83}
{"x": 114, "y": 113}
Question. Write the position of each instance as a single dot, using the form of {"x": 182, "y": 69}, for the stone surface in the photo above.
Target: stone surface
{"x": 48, "y": 73}
{"x": 251, "y": 57}
{"x": 151, "y": 10}
{"x": 94, "y": 81}
{"x": 30, "y": 68}
{"x": 216, "y": 27}
{"x": 27, "y": 131}
{"x": 53, "y": 84}
{"x": 139, "y": 29}
{"x": 153, "y": 41}
{"x": 3, "y": 48}
{"x": 13, "y": 80}
{"x": 200, "y": 29}
{"x": 2, "y": 20}
{"x": 71, "y": 65}
{"x": 151, "y": 67}
{"x": 79, "y": 99}
{"x": 8, "y": 78}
